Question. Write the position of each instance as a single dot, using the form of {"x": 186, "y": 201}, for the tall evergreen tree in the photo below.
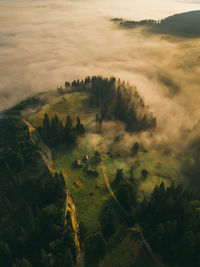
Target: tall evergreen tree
{"x": 46, "y": 127}
{"x": 69, "y": 124}
{"x": 46, "y": 122}
{"x": 79, "y": 127}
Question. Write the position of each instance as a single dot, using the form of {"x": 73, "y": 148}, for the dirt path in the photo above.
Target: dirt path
{"x": 105, "y": 175}
{"x": 110, "y": 189}
{"x": 138, "y": 228}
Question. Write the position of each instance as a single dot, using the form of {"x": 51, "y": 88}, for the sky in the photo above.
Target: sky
{"x": 45, "y": 43}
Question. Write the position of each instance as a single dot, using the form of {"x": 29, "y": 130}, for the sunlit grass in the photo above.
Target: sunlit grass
{"x": 89, "y": 193}
{"x": 69, "y": 104}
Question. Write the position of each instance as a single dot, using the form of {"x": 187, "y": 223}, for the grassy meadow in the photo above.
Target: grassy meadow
{"x": 90, "y": 193}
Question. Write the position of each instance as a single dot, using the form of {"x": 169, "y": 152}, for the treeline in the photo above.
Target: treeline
{"x": 55, "y": 133}
{"x": 32, "y": 204}
{"x": 117, "y": 100}
{"x": 184, "y": 25}
{"x": 169, "y": 218}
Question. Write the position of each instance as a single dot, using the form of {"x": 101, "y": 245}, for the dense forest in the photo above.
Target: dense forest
{"x": 117, "y": 100}
{"x": 54, "y": 133}
{"x": 171, "y": 222}
{"x": 34, "y": 227}
{"x": 184, "y": 25}
{"x": 169, "y": 219}
{"x": 32, "y": 204}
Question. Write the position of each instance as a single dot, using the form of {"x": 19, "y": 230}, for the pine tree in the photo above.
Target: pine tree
{"x": 118, "y": 178}
{"x": 46, "y": 121}
{"x": 46, "y": 127}
{"x": 79, "y": 127}
{"x": 68, "y": 125}
{"x": 55, "y": 130}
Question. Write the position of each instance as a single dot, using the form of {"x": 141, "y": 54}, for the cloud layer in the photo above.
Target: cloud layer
{"x": 45, "y": 43}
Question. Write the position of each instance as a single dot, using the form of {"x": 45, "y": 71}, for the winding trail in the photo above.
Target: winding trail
{"x": 105, "y": 175}
{"x": 137, "y": 227}
{"x": 69, "y": 204}
{"x": 110, "y": 189}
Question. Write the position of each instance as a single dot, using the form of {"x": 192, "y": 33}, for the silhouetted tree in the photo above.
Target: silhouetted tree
{"x": 79, "y": 127}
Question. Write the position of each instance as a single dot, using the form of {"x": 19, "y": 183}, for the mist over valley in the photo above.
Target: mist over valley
{"x": 99, "y": 133}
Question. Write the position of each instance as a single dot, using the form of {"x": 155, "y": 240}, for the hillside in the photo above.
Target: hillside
{"x": 82, "y": 190}
{"x": 183, "y": 25}
{"x": 33, "y": 201}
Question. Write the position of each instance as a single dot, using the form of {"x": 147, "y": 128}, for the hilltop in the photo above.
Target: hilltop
{"x": 75, "y": 175}
{"x": 181, "y": 25}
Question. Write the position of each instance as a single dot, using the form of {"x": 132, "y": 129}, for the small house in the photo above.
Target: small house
{"x": 77, "y": 163}
{"x": 85, "y": 158}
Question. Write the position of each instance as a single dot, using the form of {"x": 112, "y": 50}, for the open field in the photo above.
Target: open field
{"x": 90, "y": 193}
{"x": 73, "y": 104}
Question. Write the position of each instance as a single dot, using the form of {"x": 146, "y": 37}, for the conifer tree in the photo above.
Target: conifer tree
{"x": 79, "y": 127}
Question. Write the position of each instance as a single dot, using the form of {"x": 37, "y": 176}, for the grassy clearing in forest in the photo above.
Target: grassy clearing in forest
{"x": 73, "y": 104}
{"x": 89, "y": 193}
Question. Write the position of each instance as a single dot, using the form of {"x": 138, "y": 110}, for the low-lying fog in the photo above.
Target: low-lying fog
{"x": 44, "y": 43}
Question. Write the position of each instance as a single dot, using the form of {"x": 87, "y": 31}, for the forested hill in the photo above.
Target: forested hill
{"x": 134, "y": 216}
{"x": 117, "y": 100}
{"x": 185, "y": 24}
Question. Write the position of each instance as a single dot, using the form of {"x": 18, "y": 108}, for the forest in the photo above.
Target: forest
{"x": 117, "y": 100}
{"x": 35, "y": 228}
{"x": 181, "y": 25}
{"x": 99, "y": 133}
{"x": 32, "y": 204}
{"x": 54, "y": 133}
{"x": 169, "y": 219}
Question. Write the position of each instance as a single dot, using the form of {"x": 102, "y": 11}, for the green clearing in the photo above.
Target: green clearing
{"x": 72, "y": 104}
{"x": 90, "y": 193}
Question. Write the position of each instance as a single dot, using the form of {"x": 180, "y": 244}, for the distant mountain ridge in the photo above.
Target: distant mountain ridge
{"x": 184, "y": 25}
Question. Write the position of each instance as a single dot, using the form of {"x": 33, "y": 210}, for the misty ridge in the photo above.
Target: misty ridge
{"x": 99, "y": 133}
{"x": 184, "y": 25}
{"x": 125, "y": 122}
{"x": 39, "y": 53}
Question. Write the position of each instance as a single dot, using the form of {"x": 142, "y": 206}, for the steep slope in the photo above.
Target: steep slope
{"x": 70, "y": 208}
{"x": 35, "y": 217}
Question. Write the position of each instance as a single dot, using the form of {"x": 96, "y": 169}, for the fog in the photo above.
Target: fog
{"x": 45, "y": 43}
